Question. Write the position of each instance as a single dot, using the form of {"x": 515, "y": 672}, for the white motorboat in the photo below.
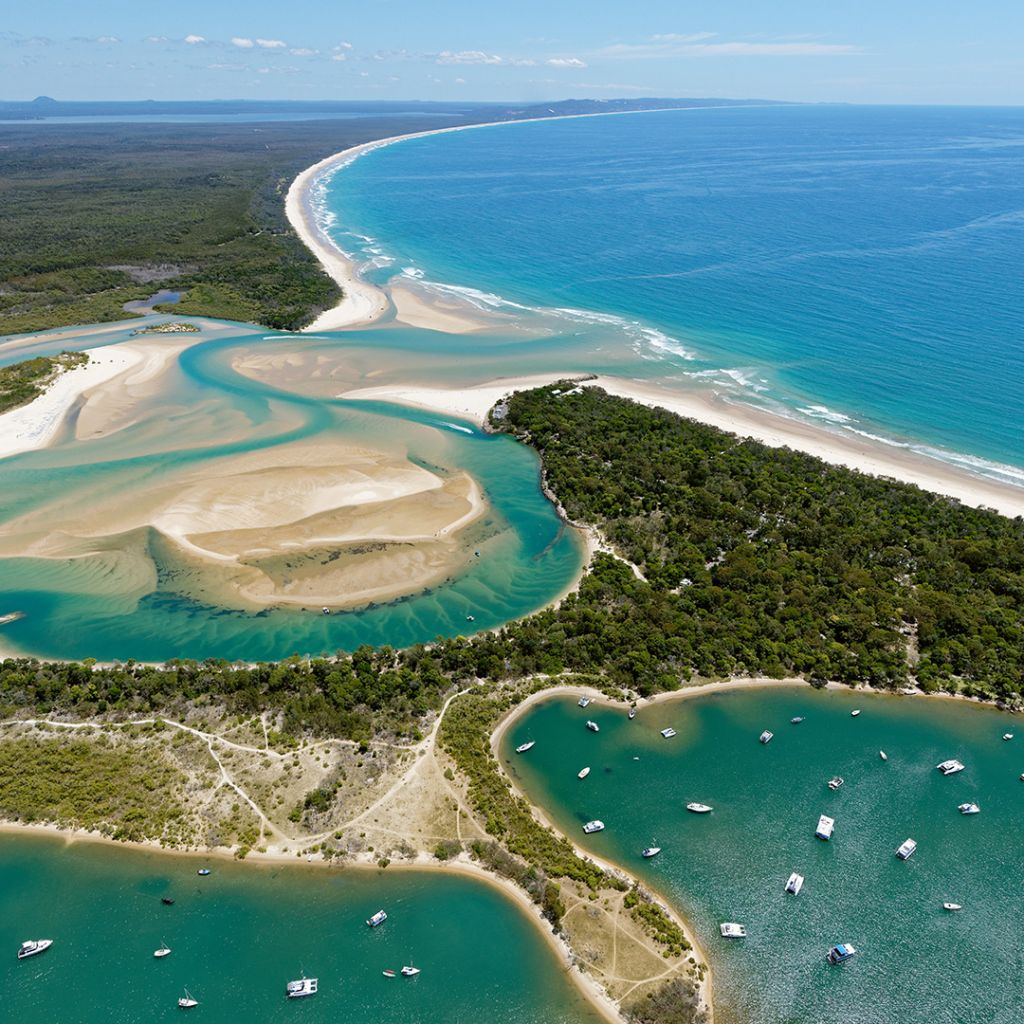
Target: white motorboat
{"x": 883, "y": 755}
{"x": 593, "y": 726}
{"x": 951, "y": 906}
{"x": 33, "y": 947}
{"x": 593, "y": 826}
{"x": 650, "y": 851}
{"x": 906, "y": 849}
{"x": 632, "y": 714}
{"x": 668, "y": 733}
{"x": 732, "y": 930}
{"x": 835, "y": 783}
{"x": 840, "y": 953}
{"x": 163, "y": 951}
{"x": 524, "y": 747}
{"x": 301, "y": 988}
{"x": 203, "y": 872}
{"x": 1007, "y": 735}
{"x": 950, "y": 767}
{"x": 187, "y": 1001}
{"x": 766, "y": 736}
{"x": 583, "y": 702}
{"x": 583, "y": 772}
{"x": 855, "y": 712}
{"x": 699, "y": 808}
{"x": 969, "y": 809}
{"x": 795, "y": 884}
{"x": 409, "y": 971}
{"x": 796, "y": 720}
{"x": 379, "y": 918}
{"x": 825, "y": 827}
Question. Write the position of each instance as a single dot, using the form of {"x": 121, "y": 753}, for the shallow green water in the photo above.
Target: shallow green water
{"x": 77, "y": 608}
{"x": 917, "y": 962}
{"x": 239, "y": 935}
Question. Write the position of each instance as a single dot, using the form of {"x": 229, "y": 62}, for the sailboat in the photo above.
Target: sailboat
{"x": 163, "y": 951}
{"x": 186, "y": 1002}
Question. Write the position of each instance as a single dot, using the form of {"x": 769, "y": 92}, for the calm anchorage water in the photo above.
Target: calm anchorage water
{"x": 239, "y": 935}
{"x": 917, "y": 962}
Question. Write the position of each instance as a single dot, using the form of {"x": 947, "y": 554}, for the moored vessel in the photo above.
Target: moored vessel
{"x": 187, "y": 1001}
{"x": 409, "y": 971}
{"x": 855, "y": 712}
{"x": 379, "y": 918}
{"x": 524, "y": 747}
{"x": 699, "y": 808}
{"x": 593, "y": 826}
{"x": 632, "y": 714}
{"x": 969, "y": 809}
{"x": 668, "y": 733}
{"x": 650, "y": 851}
{"x": 840, "y": 953}
{"x": 950, "y": 767}
{"x": 163, "y": 951}
{"x": 883, "y": 755}
{"x": 1007, "y": 735}
{"x": 796, "y": 719}
{"x": 301, "y": 988}
{"x": 732, "y": 930}
{"x": 835, "y": 782}
{"x": 33, "y": 947}
{"x": 203, "y": 871}
{"x": 951, "y": 906}
{"x": 593, "y": 726}
{"x": 906, "y": 849}
{"x": 795, "y": 884}
{"x": 766, "y": 736}
{"x": 583, "y": 702}
{"x": 583, "y": 772}
{"x": 825, "y": 827}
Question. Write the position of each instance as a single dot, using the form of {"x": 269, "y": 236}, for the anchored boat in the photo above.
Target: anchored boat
{"x": 163, "y": 951}
{"x": 795, "y": 884}
{"x": 301, "y": 988}
{"x": 668, "y": 733}
{"x": 33, "y": 947}
{"x": 410, "y": 971}
{"x": 187, "y": 1002}
{"x": 835, "y": 783}
{"x": 732, "y": 930}
{"x": 766, "y": 736}
{"x": 583, "y": 772}
{"x": 583, "y": 702}
{"x": 593, "y": 826}
{"x": 650, "y": 851}
{"x": 593, "y": 726}
{"x": 699, "y": 808}
{"x": 825, "y": 827}
{"x": 951, "y": 906}
{"x": 950, "y": 767}
{"x": 840, "y": 953}
{"x": 906, "y": 849}
{"x": 379, "y": 918}
{"x": 524, "y": 747}
{"x": 969, "y": 809}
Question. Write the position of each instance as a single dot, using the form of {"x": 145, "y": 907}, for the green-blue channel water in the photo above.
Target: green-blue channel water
{"x": 238, "y": 936}
{"x": 916, "y": 961}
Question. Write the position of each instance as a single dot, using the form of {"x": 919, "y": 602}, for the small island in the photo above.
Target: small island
{"x": 177, "y": 327}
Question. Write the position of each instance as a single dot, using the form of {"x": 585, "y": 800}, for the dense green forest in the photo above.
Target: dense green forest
{"x": 22, "y": 382}
{"x": 102, "y": 214}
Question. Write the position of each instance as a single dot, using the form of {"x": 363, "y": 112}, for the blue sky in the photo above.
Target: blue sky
{"x": 903, "y": 51}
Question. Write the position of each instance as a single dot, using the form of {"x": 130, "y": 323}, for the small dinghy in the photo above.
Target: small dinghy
{"x": 883, "y": 755}
{"x": 389, "y": 973}
{"x": 583, "y": 772}
{"x": 951, "y": 906}
{"x": 167, "y": 901}
{"x": 203, "y": 872}
{"x": 797, "y": 720}
{"x": 855, "y": 712}
{"x": 632, "y": 714}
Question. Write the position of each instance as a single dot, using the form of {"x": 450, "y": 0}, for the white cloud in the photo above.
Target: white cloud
{"x": 676, "y": 37}
{"x": 302, "y": 51}
{"x": 157, "y": 39}
{"x": 242, "y": 43}
{"x": 479, "y": 57}
{"x": 342, "y": 46}
{"x": 107, "y": 39}
{"x": 565, "y": 62}
{"x": 460, "y": 81}
{"x": 271, "y": 44}
{"x": 194, "y": 40}
{"x": 339, "y": 56}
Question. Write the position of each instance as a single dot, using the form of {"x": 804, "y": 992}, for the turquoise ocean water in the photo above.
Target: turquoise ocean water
{"x": 238, "y": 936}
{"x": 916, "y": 962}
{"x": 858, "y": 267}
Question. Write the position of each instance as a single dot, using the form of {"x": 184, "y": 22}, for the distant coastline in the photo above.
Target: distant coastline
{"x": 364, "y": 304}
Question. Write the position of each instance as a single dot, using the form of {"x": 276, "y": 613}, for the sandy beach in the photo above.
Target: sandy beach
{"x": 36, "y": 424}
{"x": 708, "y": 407}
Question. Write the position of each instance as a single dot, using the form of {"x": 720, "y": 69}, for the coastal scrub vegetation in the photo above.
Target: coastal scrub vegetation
{"x": 21, "y": 383}
{"x": 89, "y": 784}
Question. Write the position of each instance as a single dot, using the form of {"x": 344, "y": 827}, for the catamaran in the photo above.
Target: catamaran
{"x": 766, "y": 736}
{"x": 593, "y": 726}
{"x": 583, "y": 772}
{"x": 699, "y": 808}
{"x": 825, "y": 827}
{"x": 187, "y": 1002}
{"x": 302, "y": 987}
{"x": 906, "y": 849}
{"x": 524, "y": 747}
{"x": 379, "y": 918}
{"x": 732, "y": 930}
{"x": 950, "y": 767}
{"x": 33, "y": 947}
{"x": 410, "y": 971}
{"x": 593, "y": 826}
{"x": 668, "y": 733}
{"x": 583, "y": 702}
{"x": 840, "y": 953}
{"x": 969, "y": 809}
{"x": 795, "y": 884}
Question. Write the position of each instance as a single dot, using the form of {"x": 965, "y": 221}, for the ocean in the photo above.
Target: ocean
{"x": 855, "y": 267}
{"x": 916, "y": 961}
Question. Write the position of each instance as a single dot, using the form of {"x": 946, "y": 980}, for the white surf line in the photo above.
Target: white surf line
{"x": 363, "y": 303}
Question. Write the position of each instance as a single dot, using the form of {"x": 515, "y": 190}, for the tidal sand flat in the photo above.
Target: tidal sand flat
{"x": 240, "y": 934}
{"x": 916, "y": 961}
